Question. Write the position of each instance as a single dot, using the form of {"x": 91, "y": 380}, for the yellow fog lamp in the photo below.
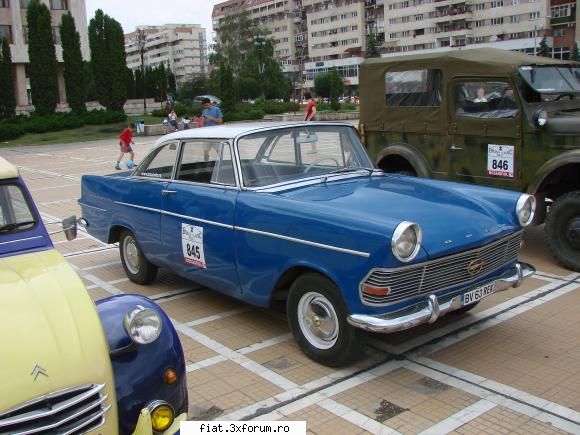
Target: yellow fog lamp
{"x": 162, "y": 415}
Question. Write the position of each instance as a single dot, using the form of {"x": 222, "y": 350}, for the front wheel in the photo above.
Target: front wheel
{"x": 563, "y": 230}
{"x": 137, "y": 267}
{"x": 317, "y": 317}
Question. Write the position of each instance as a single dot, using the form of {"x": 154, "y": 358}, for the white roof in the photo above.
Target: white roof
{"x": 230, "y": 131}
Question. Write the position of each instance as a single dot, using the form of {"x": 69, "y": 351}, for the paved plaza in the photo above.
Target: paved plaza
{"x": 510, "y": 366}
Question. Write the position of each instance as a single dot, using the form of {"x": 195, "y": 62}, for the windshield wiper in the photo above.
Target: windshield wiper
{"x": 13, "y": 226}
{"x": 345, "y": 170}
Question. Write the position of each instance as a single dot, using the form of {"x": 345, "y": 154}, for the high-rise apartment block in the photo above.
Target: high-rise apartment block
{"x": 13, "y": 27}
{"x": 313, "y": 36}
{"x": 180, "y": 47}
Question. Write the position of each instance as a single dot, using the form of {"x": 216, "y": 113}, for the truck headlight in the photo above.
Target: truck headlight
{"x": 525, "y": 208}
{"x": 143, "y": 325}
{"x": 406, "y": 241}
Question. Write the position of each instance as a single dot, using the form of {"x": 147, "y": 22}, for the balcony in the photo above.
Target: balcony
{"x": 562, "y": 20}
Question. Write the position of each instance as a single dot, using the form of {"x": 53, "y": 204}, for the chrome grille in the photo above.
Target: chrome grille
{"x": 73, "y": 411}
{"x": 442, "y": 273}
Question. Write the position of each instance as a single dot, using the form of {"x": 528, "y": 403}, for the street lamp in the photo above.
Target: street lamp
{"x": 536, "y": 34}
{"x": 142, "y": 38}
{"x": 260, "y": 44}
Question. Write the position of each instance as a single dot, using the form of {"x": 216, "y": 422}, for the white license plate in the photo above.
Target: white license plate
{"x": 478, "y": 294}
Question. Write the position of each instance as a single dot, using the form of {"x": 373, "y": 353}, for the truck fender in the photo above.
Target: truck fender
{"x": 550, "y": 166}
{"x": 410, "y": 154}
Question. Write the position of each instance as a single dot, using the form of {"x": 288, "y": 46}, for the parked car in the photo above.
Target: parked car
{"x": 484, "y": 116}
{"x": 68, "y": 367}
{"x": 213, "y": 99}
{"x": 295, "y": 213}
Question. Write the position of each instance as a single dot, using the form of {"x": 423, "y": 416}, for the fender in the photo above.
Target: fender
{"x": 550, "y": 166}
{"x": 409, "y": 153}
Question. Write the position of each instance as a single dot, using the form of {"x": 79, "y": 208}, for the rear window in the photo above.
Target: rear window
{"x": 415, "y": 88}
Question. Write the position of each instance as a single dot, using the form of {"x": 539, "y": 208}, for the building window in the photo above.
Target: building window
{"x": 496, "y": 4}
{"x": 480, "y": 23}
{"x": 515, "y": 2}
{"x": 560, "y": 31}
{"x": 515, "y": 19}
{"x": 4, "y": 3}
{"x": 534, "y": 15}
{"x": 496, "y": 21}
{"x": 404, "y": 19}
{"x": 58, "y": 5}
{"x": 6, "y": 32}
{"x": 392, "y": 21}
{"x": 561, "y": 11}
{"x": 418, "y": 17}
{"x": 406, "y": 33}
{"x": 480, "y": 6}
{"x": 24, "y": 3}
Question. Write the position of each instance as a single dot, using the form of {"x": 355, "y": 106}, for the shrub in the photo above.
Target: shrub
{"x": 9, "y": 131}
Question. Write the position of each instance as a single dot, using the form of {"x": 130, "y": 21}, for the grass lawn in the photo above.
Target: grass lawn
{"x": 82, "y": 134}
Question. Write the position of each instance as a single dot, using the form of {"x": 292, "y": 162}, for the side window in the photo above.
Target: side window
{"x": 160, "y": 164}
{"x": 485, "y": 99}
{"x": 206, "y": 162}
{"x": 421, "y": 88}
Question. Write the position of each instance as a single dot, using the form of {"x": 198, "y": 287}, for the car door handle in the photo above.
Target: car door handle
{"x": 455, "y": 148}
{"x": 168, "y": 192}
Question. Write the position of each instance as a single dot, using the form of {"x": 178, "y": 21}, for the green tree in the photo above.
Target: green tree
{"x": 90, "y": 89}
{"x": 372, "y": 46}
{"x": 42, "y": 57}
{"x": 196, "y": 85}
{"x": 108, "y": 56}
{"x": 139, "y": 85}
{"x": 322, "y": 84}
{"x": 171, "y": 83}
{"x": 161, "y": 85}
{"x": 234, "y": 40}
{"x": 228, "y": 91}
{"x": 131, "y": 92}
{"x": 336, "y": 88}
{"x": 543, "y": 49}
{"x": 73, "y": 64}
{"x": 7, "y": 99}
{"x": 576, "y": 53}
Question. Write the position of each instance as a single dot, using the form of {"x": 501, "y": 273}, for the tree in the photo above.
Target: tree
{"x": 73, "y": 64}
{"x": 228, "y": 91}
{"x": 372, "y": 46}
{"x": 131, "y": 93}
{"x": 196, "y": 85}
{"x": 139, "y": 83}
{"x": 90, "y": 89}
{"x": 322, "y": 84}
{"x": 107, "y": 44}
{"x": 576, "y": 53}
{"x": 336, "y": 88}
{"x": 234, "y": 40}
{"x": 42, "y": 57}
{"x": 543, "y": 49}
{"x": 7, "y": 99}
{"x": 171, "y": 84}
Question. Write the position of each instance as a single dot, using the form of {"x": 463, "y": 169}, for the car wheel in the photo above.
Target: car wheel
{"x": 137, "y": 267}
{"x": 317, "y": 317}
{"x": 563, "y": 230}
{"x": 465, "y": 309}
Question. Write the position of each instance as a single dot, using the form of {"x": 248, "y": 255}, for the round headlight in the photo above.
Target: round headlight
{"x": 406, "y": 241}
{"x": 162, "y": 415}
{"x": 540, "y": 117}
{"x": 525, "y": 209}
{"x": 143, "y": 325}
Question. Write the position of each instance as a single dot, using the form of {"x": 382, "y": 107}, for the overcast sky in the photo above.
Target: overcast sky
{"x": 133, "y": 13}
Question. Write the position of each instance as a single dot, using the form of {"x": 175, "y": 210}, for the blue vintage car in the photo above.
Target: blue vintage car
{"x": 296, "y": 213}
{"x": 68, "y": 367}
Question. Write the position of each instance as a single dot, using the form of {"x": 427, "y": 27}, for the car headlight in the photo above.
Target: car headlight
{"x": 143, "y": 325}
{"x": 162, "y": 415}
{"x": 406, "y": 241}
{"x": 525, "y": 208}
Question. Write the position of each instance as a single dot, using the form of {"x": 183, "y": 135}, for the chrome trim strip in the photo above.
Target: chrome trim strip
{"x": 22, "y": 240}
{"x": 318, "y": 179}
{"x": 305, "y": 242}
{"x": 434, "y": 309}
{"x": 82, "y": 204}
{"x": 99, "y": 415}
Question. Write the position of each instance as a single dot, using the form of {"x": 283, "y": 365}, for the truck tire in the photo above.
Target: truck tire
{"x": 137, "y": 267}
{"x": 317, "y": 317}
{"x": 563, "y": 230}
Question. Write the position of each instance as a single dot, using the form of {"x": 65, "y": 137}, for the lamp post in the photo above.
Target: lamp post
{"x": 260, "y": 44}
{"x": 142, "y": 37}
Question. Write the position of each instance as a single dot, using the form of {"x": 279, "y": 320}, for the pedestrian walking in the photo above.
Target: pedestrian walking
{"x": 310, "y": 115}
{"x": 125, "y": 142}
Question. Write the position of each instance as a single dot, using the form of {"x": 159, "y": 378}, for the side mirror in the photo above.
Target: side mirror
{"x": 69, "y": 226}
{"x": 540, "y": 118}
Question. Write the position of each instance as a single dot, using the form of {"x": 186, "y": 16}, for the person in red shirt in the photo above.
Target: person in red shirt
{"x": 310, "y": 114}
{"x": 125, "y": 142}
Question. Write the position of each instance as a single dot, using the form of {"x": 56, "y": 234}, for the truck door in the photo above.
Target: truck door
{"x": 485, "y": 133}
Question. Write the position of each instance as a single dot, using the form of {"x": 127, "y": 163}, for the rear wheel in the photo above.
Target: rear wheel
{"x": 563, "y": 230}
{"x": 317, "y": 317}
{"x": 137, "y": 267}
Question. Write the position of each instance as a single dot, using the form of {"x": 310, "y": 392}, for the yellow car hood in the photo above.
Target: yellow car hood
{"x": 50, "y": 333}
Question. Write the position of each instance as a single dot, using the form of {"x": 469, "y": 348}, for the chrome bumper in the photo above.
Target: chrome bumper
{"x": 429, "y": 314}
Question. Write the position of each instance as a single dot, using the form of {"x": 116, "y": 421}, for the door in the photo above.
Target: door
{"x": 485, "y": 133}
{"x": 197, "y": 225}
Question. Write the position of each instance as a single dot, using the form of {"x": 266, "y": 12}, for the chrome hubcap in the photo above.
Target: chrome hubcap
{"x": 131, "y": 254}
{"x": 318, "y": 320}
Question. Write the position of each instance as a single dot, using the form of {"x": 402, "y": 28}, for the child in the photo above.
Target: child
{"x": 125, "y": 142}
{"x": 186, "y": 121}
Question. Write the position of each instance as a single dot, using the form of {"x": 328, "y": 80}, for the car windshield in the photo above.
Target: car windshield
{"x": 552, "y": 80}
{"x": 294, "y": 153}
{"x": 15, "y": 212}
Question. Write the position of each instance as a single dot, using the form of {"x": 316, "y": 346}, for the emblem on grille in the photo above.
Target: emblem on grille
{"x": 475, "y": 267}
{"x": 38, "y": 370}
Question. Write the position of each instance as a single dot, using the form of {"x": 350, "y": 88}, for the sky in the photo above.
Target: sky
{"x": 133, "y": 13}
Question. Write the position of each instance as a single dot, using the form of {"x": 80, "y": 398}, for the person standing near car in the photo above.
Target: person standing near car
{"x": 310, "y": 114}
{"x": 211, "y": 115}
{"x": 125, "y": 142}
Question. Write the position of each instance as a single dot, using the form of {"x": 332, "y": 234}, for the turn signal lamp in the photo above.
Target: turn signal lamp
{"x": 170, "y": 376}
{"x": 375, "y": 291}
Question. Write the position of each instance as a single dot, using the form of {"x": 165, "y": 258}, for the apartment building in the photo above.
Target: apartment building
{"x": 13, "y": 26}
{"x": 564, "y": 16}
{"x": 180, "y": 47}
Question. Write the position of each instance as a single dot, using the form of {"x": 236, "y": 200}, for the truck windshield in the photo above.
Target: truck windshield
{"x": 15, "y": 212}
{"x": 552, "y": 80}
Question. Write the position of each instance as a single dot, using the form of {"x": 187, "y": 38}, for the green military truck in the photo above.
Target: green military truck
{"x": 482, "y": 116}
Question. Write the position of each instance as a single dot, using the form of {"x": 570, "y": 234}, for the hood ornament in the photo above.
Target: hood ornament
{"x": 38, "y": 370}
